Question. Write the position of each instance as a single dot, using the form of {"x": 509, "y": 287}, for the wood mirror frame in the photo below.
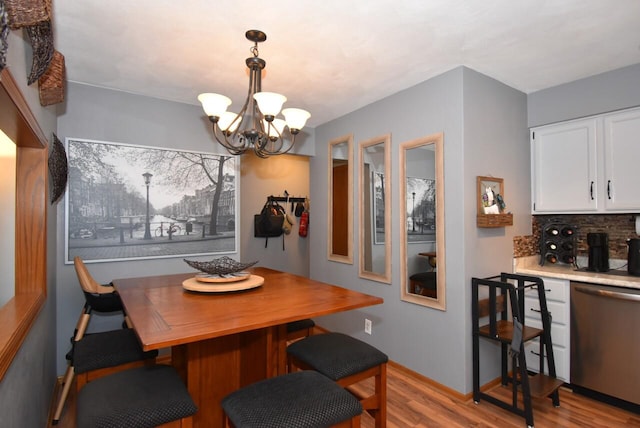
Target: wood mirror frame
{"x": 433, "y": 142}
{"x": 340, "y": 214}
{"x": 375, "y": 210}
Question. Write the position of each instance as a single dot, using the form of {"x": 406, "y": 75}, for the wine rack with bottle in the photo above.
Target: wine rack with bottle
{"x": 558, "y": 243}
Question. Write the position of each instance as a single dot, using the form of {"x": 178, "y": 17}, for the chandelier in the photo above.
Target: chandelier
{"x": 256, "y": 126}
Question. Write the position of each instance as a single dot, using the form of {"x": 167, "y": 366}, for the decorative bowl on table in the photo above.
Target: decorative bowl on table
{"x": 222, "y": 266}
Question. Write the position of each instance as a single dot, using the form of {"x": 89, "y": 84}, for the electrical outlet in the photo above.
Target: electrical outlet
{"x": 367, "y": 326}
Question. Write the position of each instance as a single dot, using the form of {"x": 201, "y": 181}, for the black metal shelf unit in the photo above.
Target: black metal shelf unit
{"x": 500, "y": 310}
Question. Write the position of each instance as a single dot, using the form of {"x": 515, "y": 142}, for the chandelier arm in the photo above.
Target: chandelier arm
{"x": 224, "y": 142}
{"x": 282, "y": 140}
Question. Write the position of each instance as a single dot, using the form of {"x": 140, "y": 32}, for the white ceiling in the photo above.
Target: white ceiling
{"x": 334, "y": 56}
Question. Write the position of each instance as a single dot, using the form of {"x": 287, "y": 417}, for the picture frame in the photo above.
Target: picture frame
{"x": 129, "y": 202}
{"x": 420, "y": 207}
{"x": 490, "y": 202}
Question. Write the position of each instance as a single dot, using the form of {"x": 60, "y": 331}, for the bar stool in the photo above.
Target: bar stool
{"x": 140, "y": 397}
{"x": 299, "y": 329}
{"x": 100, "y": 354}
{"x": 346, "y": 361}
{"x": 294, "y": 400}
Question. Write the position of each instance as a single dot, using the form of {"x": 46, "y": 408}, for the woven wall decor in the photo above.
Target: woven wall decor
{"x": 4, "y": 34}
{"x": 41, "y": 38}
{"x": 52, "y": 83}
{"x": 23, "y": 13}
{"x": 58, "y": 169}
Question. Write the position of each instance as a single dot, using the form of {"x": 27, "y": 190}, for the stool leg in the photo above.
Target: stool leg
{"x": 67, "y": 381}
{"x": 381, "y": 392}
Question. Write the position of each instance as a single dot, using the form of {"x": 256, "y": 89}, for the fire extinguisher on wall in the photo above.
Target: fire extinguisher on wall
{"x": 303, "y": 229}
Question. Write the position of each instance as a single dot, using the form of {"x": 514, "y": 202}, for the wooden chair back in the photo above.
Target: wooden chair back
{"x": 88, "y": 284}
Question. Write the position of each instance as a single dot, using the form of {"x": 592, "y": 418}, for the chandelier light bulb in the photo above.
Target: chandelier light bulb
{"x": 296, "y": 118}
{"x": 274, "y": 128}
{"x": 214, "y": 105}
{"x": 269, "y": 103}
{"x": 226, "y": 122}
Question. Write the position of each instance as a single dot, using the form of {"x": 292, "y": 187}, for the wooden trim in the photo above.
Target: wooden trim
{"x": 18, "y": 315}
{"x": 432, "y": 383}
{"x": 22, "y": 115}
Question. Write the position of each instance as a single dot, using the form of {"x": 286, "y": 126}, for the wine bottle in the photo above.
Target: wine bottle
{"x": 553, "y": 231}
{"x": 550, "y": 245}
{"x": 567, "y": 231}
{"x": 551, "y": 258}
{"x": 567, "y": 258}
{"x": 567, "y": 246}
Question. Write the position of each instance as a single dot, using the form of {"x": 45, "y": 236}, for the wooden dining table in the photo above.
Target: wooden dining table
{"x": 222, "y": 341}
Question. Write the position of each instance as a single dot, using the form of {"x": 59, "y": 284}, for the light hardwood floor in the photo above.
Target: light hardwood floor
{"x": 413, "y": 402}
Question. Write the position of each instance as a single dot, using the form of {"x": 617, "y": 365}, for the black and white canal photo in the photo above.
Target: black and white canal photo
{"x": 137, "y": 202}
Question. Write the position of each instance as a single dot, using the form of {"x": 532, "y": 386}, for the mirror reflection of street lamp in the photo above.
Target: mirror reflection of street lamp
{"x": 147, "y": 226}
{"x": 413, "y": 211}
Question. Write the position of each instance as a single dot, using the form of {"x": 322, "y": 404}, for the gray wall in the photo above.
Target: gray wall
{"x": 27, "y": 386}
{"x": 484, "y": 125}
{"x": 271, "y": 177}
{"x": 105, "y": 115}
{"x": 614, "y": 90}
{"x": 496, "y": 144}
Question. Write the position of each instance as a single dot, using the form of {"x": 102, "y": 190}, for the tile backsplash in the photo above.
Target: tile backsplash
{"x": 620, "y": 227}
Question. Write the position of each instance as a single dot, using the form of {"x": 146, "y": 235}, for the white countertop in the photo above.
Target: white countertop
{"x": 531, "y": 266}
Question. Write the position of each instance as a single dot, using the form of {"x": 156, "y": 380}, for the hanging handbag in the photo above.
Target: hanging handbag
{"x": 269, "y": 222}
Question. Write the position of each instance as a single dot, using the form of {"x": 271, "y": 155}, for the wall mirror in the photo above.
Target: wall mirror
{"x": 375, "y": 209}
{"x": 340, "y": 215}
{"x": 422, "y": 244}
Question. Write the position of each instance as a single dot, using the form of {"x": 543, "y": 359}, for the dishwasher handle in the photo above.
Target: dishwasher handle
{"x": 609, "y": 294}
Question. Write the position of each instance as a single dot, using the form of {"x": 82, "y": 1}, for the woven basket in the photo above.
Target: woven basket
{"x": 58, "y": 169}
{"x": 4, "y": 34}
{"x": 51, "y": 84}
{"x": 22, "y": 13}
{"x": 41, "y": 38}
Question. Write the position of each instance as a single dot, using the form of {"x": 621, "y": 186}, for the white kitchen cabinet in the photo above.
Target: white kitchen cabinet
{"x": 587, "y": 165}
{"x": 621, "y": 156}
{"x": 563, "y": 167}
{"x": 557, "y": 296}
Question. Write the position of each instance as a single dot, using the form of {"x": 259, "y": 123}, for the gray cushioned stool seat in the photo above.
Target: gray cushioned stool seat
{"x": 336, "y": 355}
{"x": 107, "y": 349}
{"x": 141, "y": 397}
{"x": 300, "y": 325}
{"x": 304, "y": 399}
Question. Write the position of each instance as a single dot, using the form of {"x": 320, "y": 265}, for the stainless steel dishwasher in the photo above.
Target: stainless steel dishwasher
{"x": 605, "y": 340}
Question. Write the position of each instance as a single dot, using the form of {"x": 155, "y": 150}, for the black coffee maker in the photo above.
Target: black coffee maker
{"x": 598, "y": 252}
{"x": 634, "y": 257}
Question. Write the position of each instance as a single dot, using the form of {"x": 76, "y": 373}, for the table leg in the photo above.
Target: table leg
{"x": 215, "y": 367}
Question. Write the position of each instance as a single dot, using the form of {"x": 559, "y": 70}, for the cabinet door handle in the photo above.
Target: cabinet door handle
{"x": 536, "y": 310}
{"x": 591, "y": 190}
{"x": 609, "y": 189}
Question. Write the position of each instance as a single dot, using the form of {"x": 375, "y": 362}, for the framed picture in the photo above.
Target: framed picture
{"x": 127, "y": 202}
{"x": 421, "y": 210}
{"x": 490, "y": 195}
{"x": 377, "y": 190}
